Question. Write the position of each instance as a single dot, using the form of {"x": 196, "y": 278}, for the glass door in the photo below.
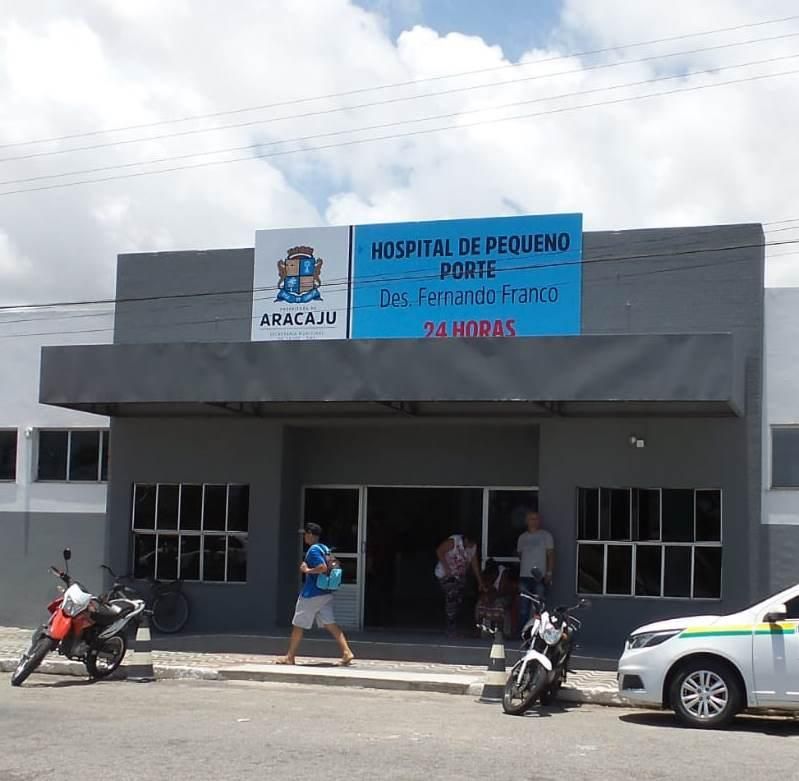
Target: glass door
{"x": 504, "y": 520}
{"x": 338, "y": 510}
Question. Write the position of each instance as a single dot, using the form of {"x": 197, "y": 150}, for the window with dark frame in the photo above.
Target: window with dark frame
{"x": 649, "y": 542}
{"x": 8, "y": 455}
{"x": 73, "y": 455}
{"x": 785, "y": 457}
{"x": 191, "y": 531}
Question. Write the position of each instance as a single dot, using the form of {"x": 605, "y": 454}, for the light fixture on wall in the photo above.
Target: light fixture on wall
{"x": 636, "y": 441}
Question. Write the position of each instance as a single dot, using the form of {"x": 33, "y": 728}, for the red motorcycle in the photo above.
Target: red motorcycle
{"x": 83, "y": 628}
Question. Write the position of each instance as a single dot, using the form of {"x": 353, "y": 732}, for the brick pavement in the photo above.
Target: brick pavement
{"x": 583, "y": 685}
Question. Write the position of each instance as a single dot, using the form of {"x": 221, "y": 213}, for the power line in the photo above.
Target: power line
{"x": 409, "y": 134}
{"x": 395, "y": 85}
{"x": 330, "y": 284}
{"x": 780, "y": 230}
{"x": 384, "y": 279}
{"x": 401, "y": 99}
{"x": 781, "y": 222}
{"x": 377, "y": 278}
{"x": 398, "y": 123}
{"x": 614, "y": 277}
{"x": 347, "y": 310}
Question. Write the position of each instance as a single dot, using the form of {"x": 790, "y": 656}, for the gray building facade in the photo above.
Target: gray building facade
{"x": 639, "y": 439}
{"x": 52, "y": 471}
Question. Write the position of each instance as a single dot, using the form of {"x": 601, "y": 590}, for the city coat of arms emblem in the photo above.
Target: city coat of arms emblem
{"x": 299, "y": 276}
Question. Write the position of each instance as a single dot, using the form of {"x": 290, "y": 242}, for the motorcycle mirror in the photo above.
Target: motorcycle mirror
{"x": 67, "y": 554}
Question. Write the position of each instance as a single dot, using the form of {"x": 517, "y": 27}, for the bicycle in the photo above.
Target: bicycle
{"x": 166, "y": 603}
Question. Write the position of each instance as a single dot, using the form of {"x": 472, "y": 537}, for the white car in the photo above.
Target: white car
{"x": 709, "y": 668}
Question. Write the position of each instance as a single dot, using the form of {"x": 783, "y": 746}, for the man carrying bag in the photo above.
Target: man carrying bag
{"x": 315, "y": 603}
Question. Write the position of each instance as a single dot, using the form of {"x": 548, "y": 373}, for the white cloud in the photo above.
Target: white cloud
{"x": 710, "y": 156}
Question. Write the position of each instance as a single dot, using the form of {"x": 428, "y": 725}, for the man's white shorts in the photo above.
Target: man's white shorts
{"x": 309, "y": 608}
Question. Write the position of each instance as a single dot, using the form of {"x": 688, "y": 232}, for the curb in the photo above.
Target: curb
{"x": 446, "y": 683}
{"x": 594, "y": 695}
{"x": 76, "y": 669}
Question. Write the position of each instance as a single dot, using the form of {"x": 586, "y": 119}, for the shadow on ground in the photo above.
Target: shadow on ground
{"x": 779, "y": 726}
{"x": 548, "y": 711}
{"x": 62, "y": 683}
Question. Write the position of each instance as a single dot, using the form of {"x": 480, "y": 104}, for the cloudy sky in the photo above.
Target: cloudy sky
{"x": 127, "y": 88}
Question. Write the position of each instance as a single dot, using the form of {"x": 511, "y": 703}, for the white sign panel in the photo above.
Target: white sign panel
{"x": 301, "y": 284}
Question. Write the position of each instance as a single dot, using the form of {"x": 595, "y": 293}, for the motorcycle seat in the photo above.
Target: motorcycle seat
{"x": 107, "y": 613}
{"x": 122, "y": 608}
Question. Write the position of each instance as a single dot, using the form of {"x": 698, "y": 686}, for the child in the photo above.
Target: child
{"x": 494, "y": 606}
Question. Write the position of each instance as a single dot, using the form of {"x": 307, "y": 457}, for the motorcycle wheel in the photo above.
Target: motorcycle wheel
{"x": 551, "y": 694}
{"x": 32, "y": 659}
{"x": 104, "y": 660}
{"x": 517, "y": 700}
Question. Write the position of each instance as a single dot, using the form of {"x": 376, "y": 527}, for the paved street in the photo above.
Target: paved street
{"x": 180, "y": 730}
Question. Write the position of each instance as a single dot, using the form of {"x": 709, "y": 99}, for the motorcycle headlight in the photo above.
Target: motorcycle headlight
{"x": 552, "y": 635}
{"x": 70, "y": 606}
{"x": 650, "y": 639}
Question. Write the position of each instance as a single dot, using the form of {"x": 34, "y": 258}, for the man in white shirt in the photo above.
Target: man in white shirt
{"x": 536, "y": 549}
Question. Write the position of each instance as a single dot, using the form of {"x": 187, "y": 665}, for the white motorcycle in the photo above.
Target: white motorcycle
{"x": 547, "y": 643}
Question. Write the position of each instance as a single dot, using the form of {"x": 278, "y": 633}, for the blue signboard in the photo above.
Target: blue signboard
{"x": 503, "y": 276}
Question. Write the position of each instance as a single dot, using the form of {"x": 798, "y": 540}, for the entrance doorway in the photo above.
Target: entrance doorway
{"x": 339, "y": 510}
{"x": 404, "y": 526}
{"x": 386, "y": 540}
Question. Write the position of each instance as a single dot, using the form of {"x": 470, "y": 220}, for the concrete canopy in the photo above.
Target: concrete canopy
{"x": 590, "y": 374}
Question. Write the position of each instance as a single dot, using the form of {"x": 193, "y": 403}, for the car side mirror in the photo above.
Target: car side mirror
{"x": 585, "y": 603}
{"x": 67, "y": 554}
{"x": 776, "y": 613}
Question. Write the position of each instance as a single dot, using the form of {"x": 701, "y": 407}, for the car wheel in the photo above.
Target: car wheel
{"x": 706, "y": 694}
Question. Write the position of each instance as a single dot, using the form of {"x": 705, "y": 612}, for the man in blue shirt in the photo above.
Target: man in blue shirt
{"x": 314, "y": 604}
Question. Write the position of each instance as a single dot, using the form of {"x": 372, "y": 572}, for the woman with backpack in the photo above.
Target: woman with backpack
{"x": 315, "y": 603}
{"x": 456, "y": 555}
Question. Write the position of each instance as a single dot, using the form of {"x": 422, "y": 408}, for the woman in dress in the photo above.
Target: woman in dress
{"x": 456, "y": 555}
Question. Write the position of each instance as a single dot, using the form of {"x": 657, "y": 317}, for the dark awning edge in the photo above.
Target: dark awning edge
{"x": 512, "y": 411}
{"x": 694, "y": 369}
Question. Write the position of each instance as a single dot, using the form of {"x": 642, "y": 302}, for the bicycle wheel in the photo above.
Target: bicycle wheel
{"x": 170, "y": 612}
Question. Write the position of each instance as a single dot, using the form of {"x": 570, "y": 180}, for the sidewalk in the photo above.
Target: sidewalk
{"x": 593, "y": 686}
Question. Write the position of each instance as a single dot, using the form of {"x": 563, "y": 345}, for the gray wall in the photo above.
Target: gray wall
{"x": 693, "y": 453}
{"x": 674, "y": 280}
{"x": 276, "y": 463}
{"x": 34, "y": 541}
{"x": 240, "y": 451}
{"x": 212, "y": 299}
{"x": 419, "y": 454}
{"x": 692, "y": 280}
{"x": 780, "y": 545}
